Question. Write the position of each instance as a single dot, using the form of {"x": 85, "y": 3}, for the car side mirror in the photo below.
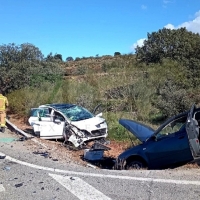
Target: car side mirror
{"x": 154, "y": 137}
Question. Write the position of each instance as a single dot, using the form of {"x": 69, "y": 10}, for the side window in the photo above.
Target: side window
{"x": 41, "y": 112}
{"x": 173, "y": 126}
{"x": 58, "y": 116}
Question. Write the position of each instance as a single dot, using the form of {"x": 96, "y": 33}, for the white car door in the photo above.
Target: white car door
{"x": 45, "y": 124}
{"x": 51, "y": 129}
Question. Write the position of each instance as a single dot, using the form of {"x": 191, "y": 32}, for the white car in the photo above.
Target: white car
{"x": 68, "y": 121}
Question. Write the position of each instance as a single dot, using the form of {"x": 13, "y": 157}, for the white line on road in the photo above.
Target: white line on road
{"x": 2, "y": 189}
{"x": 183, "y": 182}
{"x": 79, "y": 188}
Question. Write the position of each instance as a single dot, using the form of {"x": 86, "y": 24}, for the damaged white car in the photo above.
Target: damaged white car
{"x": 70, "y": 122}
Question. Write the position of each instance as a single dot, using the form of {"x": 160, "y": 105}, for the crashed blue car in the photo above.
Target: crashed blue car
{"x": 174, "y": 143}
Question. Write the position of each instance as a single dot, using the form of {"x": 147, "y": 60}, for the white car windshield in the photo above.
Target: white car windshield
{"x": 75, "y": 113}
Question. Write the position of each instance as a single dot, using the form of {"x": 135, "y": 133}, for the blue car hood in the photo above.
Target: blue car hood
{"x": 141, "y": 131}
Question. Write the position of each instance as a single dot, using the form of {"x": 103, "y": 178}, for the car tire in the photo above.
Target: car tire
{"x": 135, "y": 164}
{"x": 37, "y": 134}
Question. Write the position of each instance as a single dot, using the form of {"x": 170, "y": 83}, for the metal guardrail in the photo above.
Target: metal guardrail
{"x": 18, "y": 130}
{"x": 26, "y": 135}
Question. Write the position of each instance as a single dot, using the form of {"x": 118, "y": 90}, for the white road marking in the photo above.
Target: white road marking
{"x": 2, "y": 189}
{"x": 183, "y": 182}
{"x": 79, "y": 188}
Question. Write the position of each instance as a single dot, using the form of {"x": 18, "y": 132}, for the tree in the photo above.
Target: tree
{"x": 178, "y": 44}
{"x": 77, "y": 59}
{"x": 50, "y": 57}
{"x": 54, "y": 58}
{"x": 172, "y": 99}
{"x": 30, "y": 52}
{"x": 58, "y": 56}
{"x": 69, "y": 58}
{"x": 23, "y": 65}
{"x": 117, "y": 54}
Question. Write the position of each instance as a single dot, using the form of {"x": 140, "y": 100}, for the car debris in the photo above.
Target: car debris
{"x": 95, "y": 152}
{"x": 92, "y": 166}
{"x": 174, "y": 143}
{"x": 18, "y": 185}
{"x": 90, "y": 154}
{"x": 23, "y": 138}
{"x": 72, "y": 178}
{"x": 7, "y": 168}
{"x": 70, "y": 122}
{"x": 44, "y": 154}
{"x": 2, "y": 156}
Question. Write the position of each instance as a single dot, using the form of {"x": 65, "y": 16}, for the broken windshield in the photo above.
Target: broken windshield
{"x": 76, "y": 113}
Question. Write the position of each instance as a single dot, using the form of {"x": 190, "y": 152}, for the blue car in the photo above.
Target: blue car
{"x": 174, "y": 143}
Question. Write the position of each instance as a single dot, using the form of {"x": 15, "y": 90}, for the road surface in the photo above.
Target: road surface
{"x": 25, "y": 175}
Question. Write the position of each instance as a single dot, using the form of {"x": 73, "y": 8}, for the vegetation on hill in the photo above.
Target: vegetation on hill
{"x": 161, "y": 79}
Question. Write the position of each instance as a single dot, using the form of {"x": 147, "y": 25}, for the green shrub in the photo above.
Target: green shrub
{"x": 172, "y": 99}
{"x": 21, "y": 101}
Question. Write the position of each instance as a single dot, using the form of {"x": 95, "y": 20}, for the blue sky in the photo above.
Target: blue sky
{"x": 83, "y": 28}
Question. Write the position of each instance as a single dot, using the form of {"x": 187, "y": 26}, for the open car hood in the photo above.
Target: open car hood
{"x": 141, "y": 131}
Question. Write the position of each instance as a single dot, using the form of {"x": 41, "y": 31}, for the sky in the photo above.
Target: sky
{"x": 84, "y": 28}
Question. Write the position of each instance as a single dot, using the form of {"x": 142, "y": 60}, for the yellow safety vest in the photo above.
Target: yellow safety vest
{"x": 3, "y": 102}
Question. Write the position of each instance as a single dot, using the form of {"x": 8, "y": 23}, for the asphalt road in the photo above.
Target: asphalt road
{"x": 26, "y": 176}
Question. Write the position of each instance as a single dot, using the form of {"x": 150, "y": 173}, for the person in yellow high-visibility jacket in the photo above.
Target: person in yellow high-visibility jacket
{"x": 3, "y": 105}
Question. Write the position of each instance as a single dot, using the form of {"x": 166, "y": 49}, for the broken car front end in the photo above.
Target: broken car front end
{"x": 71, "y": 122}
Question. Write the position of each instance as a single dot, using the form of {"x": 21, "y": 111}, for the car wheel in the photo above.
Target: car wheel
{"x": 135, "y": 164}
{"x": 37, "y": 133}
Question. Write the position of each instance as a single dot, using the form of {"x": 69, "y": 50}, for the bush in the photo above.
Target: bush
{"x": 21, "y": 101}
{"x": 172, "y": 99}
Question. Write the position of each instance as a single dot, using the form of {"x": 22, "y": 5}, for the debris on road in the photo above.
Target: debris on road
{"x": 72, "y": 178}
{"x": 90, "y": 165}
{"x": 18, "y": 185}
{"x": 7, "y": 168}
{"x": 2, "y": 156}
{"x": 22, "y": 139}
{"x": 95, "y": 152}
{"x": 44, "y": 154}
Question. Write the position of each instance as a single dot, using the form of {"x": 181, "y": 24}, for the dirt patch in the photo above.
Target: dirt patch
{"x": 20, "y": 122}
